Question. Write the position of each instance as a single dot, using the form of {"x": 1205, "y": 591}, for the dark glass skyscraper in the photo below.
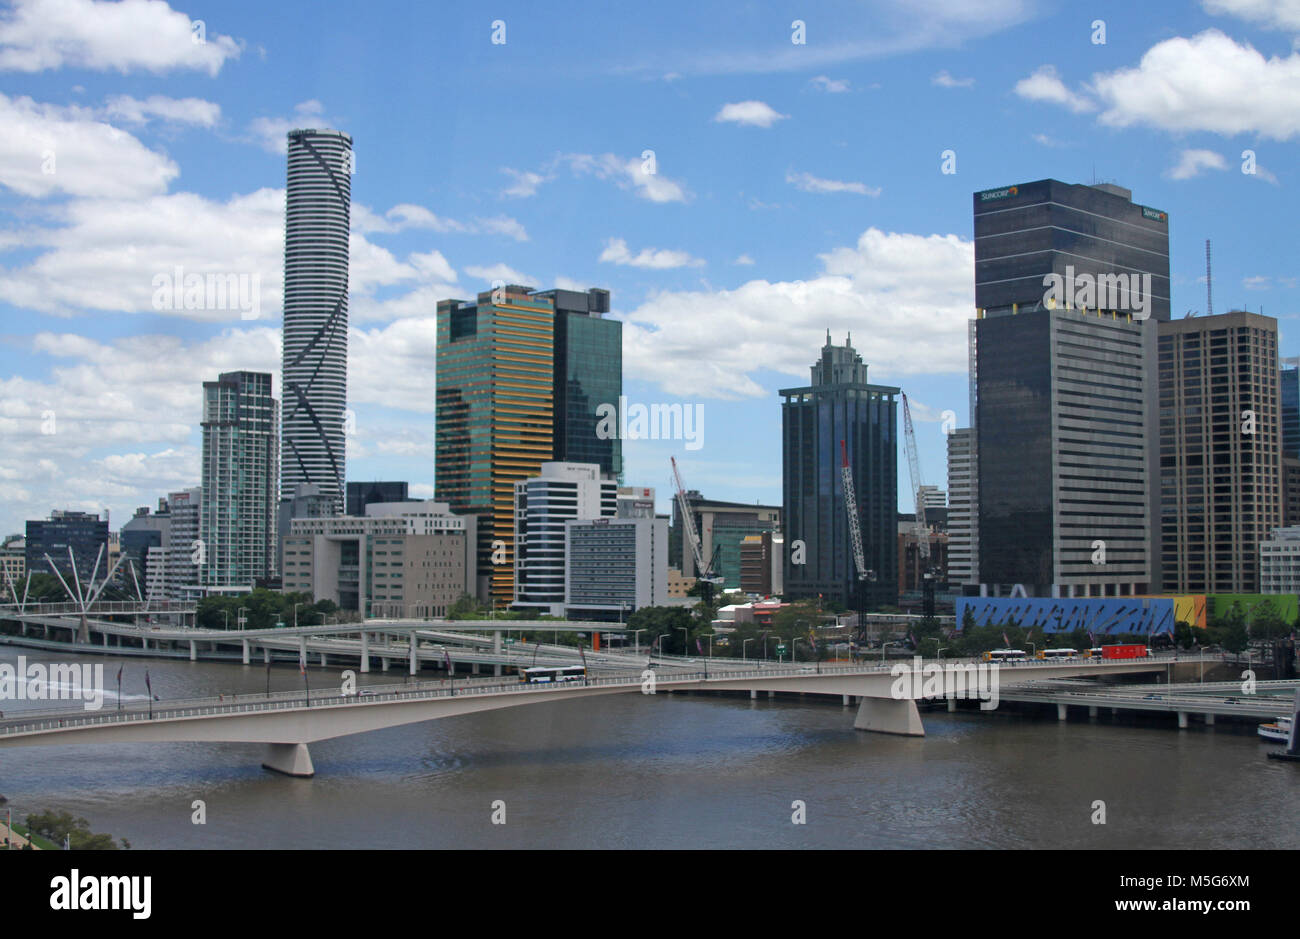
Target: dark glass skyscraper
{"x": 1064, "y": 405}
{"x": 361, "y": 495}
{"x": 1027, "y": 231}
{"x": 839, "y": 404}
{"x": 314, "y": 350}
{"x": 1289, "y": 377}
{"x": 588, "y": 372}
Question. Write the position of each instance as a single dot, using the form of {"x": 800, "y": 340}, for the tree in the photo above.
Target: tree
{"x": 60, "y": 825}
{"x": 1266, "y": 621}
{"x": 658, "y": 620}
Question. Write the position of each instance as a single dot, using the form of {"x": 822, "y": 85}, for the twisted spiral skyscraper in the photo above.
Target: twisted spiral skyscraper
{"x": 315, "y": 333}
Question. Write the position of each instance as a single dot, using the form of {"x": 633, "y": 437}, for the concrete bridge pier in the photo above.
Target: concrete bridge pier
{"x": 291, "y": 759}
{"x": 753, "y": 695}
{"x": 302, "y": 648}
{"x": 383, "y": 663}
{"x": 105, "y": 636}
{"x": 322, "y": 660}
{"x": 1092, "y": 711}
{"x": 365, "y": 652}
{"x": 771, "y": 694}
{"x": 145, "y": 641}
{"x": 1209, "y": 720}
{"x": 266, "y": 655}
{"x": 889, "y": 716}
{"x": 844, "y": 700}
{"x": 1061, "y": 711}
{"x": 474, "y": 669}
{"x": 952, "y": 704}
{"x": 244, "y": 643}
{"x": 194, "y": 651}
{"x": 496, "y": 670}
{"x": 414, "y": 647}
{"x": 1182, "y": 720}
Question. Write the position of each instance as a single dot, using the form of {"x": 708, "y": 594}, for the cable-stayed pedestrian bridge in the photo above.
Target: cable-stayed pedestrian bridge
{"x": 288, "y": 721}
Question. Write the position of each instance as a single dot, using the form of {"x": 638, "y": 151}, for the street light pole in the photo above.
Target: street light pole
{"x": 636, "y": 638}
{"x": 743, "y": 643}
{"x": 660, "y": 643}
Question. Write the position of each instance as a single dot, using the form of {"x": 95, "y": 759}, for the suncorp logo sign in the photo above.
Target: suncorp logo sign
{"x": 989, "y": 195}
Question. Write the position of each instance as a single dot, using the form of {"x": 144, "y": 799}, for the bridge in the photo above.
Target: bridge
{"x": 286, "y": 722}
{"x": 1270, "y": 700}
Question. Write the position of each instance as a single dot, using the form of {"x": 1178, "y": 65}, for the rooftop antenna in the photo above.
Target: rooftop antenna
{"x": 1209, "y": 292}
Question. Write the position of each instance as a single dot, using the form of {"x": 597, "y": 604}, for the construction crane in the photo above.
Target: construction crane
{"x": 703, "y": 571}
{"x": 928, "y": 573}
{"x": 855, "y": 538}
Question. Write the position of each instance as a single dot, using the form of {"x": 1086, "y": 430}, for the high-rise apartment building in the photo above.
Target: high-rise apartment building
{"x": 240, "y": 464}
{"x": 559, "y": 493}
{"x": 1220, "y": 450}
{"x": 840, "y": 405}
{"x": 314, "y": 380}
{"x": 185, "y": 552}
{"x": 1069, "y": 283}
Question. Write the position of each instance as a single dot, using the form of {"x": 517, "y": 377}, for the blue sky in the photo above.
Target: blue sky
{"x": 796, "y": 188}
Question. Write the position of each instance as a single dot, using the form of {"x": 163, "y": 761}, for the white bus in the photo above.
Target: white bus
{"x": 539, "y": 674}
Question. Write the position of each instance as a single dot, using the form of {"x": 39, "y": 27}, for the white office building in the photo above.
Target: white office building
{"x": 1279, "y": 561}
{"x": 615, "y": 566}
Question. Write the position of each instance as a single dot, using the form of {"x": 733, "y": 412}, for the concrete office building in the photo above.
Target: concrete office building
{"x": 314, "y": 371}
{"x": 762, "y": 567}
{"x": 407, "y": 560}
{"x": 1279, "y": 561}
{"x": 614, "y": 566}
{"x": 1221, "y": 488}
{"x": 13, "y": 563}
{"x": 240, "y": 460}
{"x": 840, "y": 404}
{"x": 146, "y": 540}
{"x": 306, "y": 501}
{"x": 963, "y": 513}
{"x": 84, "y": 532}
{"x": 722, "y": 527}
{"x": 559, "y": 493}
{"x": 1069, "y": 282}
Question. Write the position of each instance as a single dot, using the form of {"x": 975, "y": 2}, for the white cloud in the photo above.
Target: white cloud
{"x": 744, "y": 259}
{"x": 271, "y": 133}
{"x": 832, "y": 86}
{"x": 751, "y": 113}
{"x": 501, "y": 272}
{"x": 1278, "y": 14}
{"x": 46, "y": 149}
{"x": 175, "y": 110}
{"x": 1046, "y": 85}
{"x": 640, "y": 175}
{"x": 810, "y": 183}
{"x": 1258, "y": 282}
{"x": 914, "y": 291}
{"x": 406, "y": 216}
{"x": 526, "y": 183}
{"x": 1206, "y": 83}
{"x": 1192, "y": 162}
{"x": 1047, "y": 141}
{"x": 616, "y": 252}
{"x": 131, "y": 35}
{"x": 945, "y": 80}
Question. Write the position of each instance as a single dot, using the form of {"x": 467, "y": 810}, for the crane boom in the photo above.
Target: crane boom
{"x": 703, "y": 571}
{"x": 851, "y": 507}
{"x": 914, "y": 470}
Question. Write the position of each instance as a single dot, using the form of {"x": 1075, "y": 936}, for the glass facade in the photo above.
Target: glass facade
{"x": 588, "y": 373}
{"x": 840, "y": 405}
{"x": 1290, "y": 379}
{"x": 1025, "y": 232}
{"x": 495, "y": 418}
{"x": 1015, "y": 449}
{"x": 361, "y": 495}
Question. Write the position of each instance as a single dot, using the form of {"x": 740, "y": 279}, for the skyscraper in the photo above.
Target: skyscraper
{"x": 840, "y": 404}
{"x": 495, "y": 416}
{"x": 1220, "y": 450}
{"x": 963, "y": 510}
{"x": 315, "y": 335}
{"x": 588, "y": 372}
{"x": 1069, "y": 281}
{"x": 237, "y": 521}
{"x": 1289, "y": 376}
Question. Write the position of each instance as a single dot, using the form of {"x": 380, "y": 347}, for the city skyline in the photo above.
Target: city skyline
{"x": 837, "y": 241}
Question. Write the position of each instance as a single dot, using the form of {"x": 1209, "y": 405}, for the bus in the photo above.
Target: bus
{"x": 553, "y": 674}
{"x": 1050, "y": 654}
{"x": 1093, "y": 653}
{"x": 1005, "y": 655}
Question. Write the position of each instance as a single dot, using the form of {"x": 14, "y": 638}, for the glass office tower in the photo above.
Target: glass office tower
{"x": 839, "y": 404}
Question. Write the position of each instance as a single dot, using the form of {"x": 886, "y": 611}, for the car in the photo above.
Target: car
{"x": 1153, "y": 697}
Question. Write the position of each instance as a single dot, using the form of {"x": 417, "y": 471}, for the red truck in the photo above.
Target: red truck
{"x": 1132, "y": 651}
